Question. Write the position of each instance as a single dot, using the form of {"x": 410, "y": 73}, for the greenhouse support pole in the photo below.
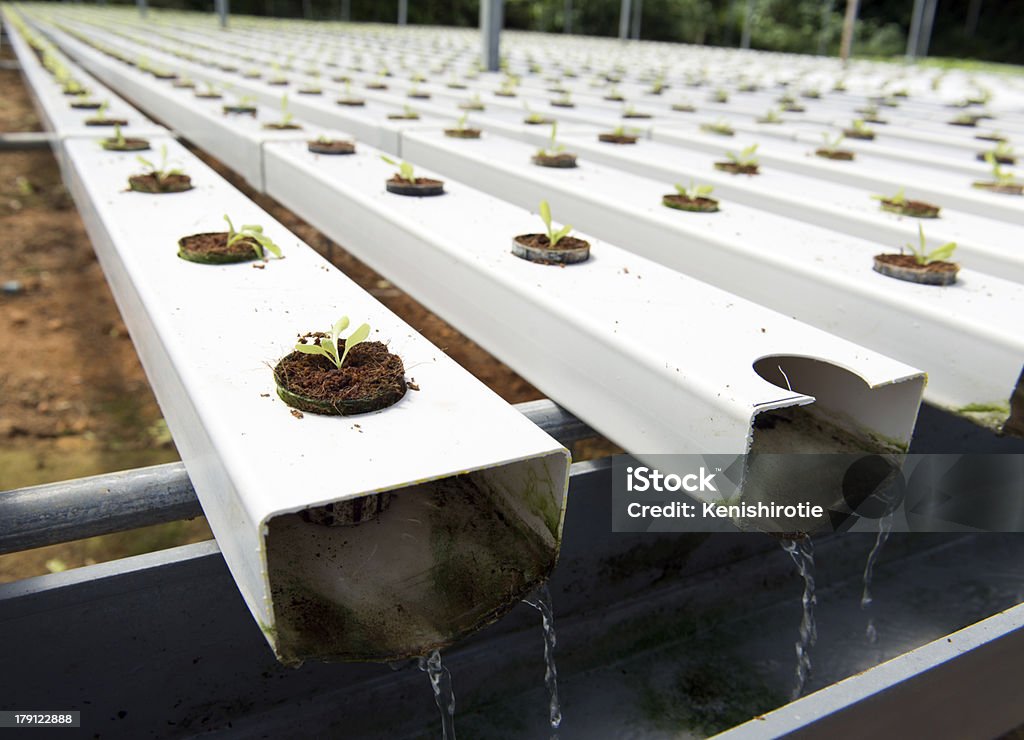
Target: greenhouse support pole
{"x": 491, "y": 21}
{"x": 624, "y": 20}
{"x": 346, "y": 10}
{"x": 849, "y": 24}
{"x": 914, "y": 34}
{"x": 403, "y": 12}
{"x": 748, "y": 20}
{"x": 638, "y": 10}
{"x": 143, "y": 7}
{"x": 567, "y": 18}
{"x": 307, "y": 9}
{"x": 221, "y": 7}
{"x": 927, "y": 23}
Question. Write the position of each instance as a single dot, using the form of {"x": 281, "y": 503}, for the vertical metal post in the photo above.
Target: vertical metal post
{"x": 346, "y": 10}
{"x": 638, "y": 10}
{"x": 914, "y": 34}
{"x": 221, "y": 8}
{"x": 624, "y": 20}
{"x": 567, "y": 17}
{"x": 748, "y": 21}
{"x": 307, "y": 9}
{"x": 143, "y": 7}
{"x": 849, "y": 25}
{"x": 491, "y": 20}
{"x": 826, "y": 22}
{"x": 927, "y": 22}
{"x": 403, "y": 12}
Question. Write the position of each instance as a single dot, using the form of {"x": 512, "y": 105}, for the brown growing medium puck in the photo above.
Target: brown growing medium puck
{"x": 875, "y": 120}
{"x": 915, "y": 208}
{"x": 376, "y": 86}
{"x": 1000, "y": 158}
{"x": 906, "y": 267}
{"x": 166, "y": 75}
{"x": 537, "y": 248}
{"x": 538, "y": 121}
{"x": 684, "y": 108}
{"x": 106, "y": 122}
{"x": 310, "y": 91}
{"x": 737, "y": 169}
{"x": 421, "y": 187}
{"x": 636, "y": 115}
{"x": 995, "y": 187}
{"x": 209, "y": 95}
{"x": 282, "y": 126}
{"x": 991, "y": 137}
{"x": 471, "y": 106}
{"x": 128, "y": 145}
{"x": 504, "y": 94}
{"x": 278, "y": 82}
{"x": 150, "y": 183}
{"x": 351, "y": 102}
{"x": 852, "y": 133}
{"x": 617, "y": 138}
{"x": 241, "y": 110}
{"x": 85, "y": 105}
{"x": 184, "y": 84}
{"x": 334, "y": 146}
{"x": 211, "y": 248}
{"x": 403, "y": 116}
{"x": 563, "y": 104}
{"x": 418, "y": 95}
{"x": 968, "y": 122}
{"x": 840, "y": 155}
{"x": 614, "y": 98}
{"x": 564, "y": 160}
{"x": 462, "y": 133}
{"x": 455, "y": 86}
{"x": 683, "y": 203}
{"x": 794, "y": 108}
{"x": 371, "y": 379}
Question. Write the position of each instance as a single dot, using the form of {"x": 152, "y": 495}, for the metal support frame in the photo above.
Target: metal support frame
{"x": 403, "y": 12}
{"x": 115, "y": 502}
{"x": 748, "y": 22}
{"x": 624, "y": 19}
{"x": 927, "y": 23}
{"x": 567, "y": 17}
{"x": 638, "y": 11}
{"x": 221, "y": 8}
{"x": 346, "y": 10}
{"x": 143, "y": 7}
{"x": 849, "y": 26}
{"x": 492, "y": 18}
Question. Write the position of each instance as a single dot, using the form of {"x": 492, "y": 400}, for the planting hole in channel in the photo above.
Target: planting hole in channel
{"x": 440, "y": 560}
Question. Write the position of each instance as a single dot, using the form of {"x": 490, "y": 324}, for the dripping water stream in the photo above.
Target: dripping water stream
{"x": 541, "y": 601}
{"x": 884, "y": 528}
{"x": 802, "y": 552}
{"x": 444, "y": 695}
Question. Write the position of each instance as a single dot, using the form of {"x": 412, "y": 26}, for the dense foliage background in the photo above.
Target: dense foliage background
{"x": 981, "y": 29}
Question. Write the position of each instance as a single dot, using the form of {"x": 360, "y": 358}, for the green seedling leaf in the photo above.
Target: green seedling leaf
{"x": 359, "y": 335}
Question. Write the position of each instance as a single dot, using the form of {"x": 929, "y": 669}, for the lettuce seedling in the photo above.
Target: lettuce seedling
{"x": 693, "y": 192}
{"x": 771, "y": 116}
{"x": 720, "y": 127}
{"x": 857, "y": 125}
{"x": 405, "y": 170}
{"x": 286, "y": 115}
{"x": 920, "y": 251}
{"x": 897, "y": 200}
{"x": 331, "y": 346}
{"x": 721, "y": 96}
{"x": 831, "y": 143}
{"x": 1000, "y": 175}
{"x": 160, "y": 173}
{"x": 745, "y": 157}
{"x": 553, "y": 236}
{"x": 553, "y": 146}
{"x": 262, "y": 242}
